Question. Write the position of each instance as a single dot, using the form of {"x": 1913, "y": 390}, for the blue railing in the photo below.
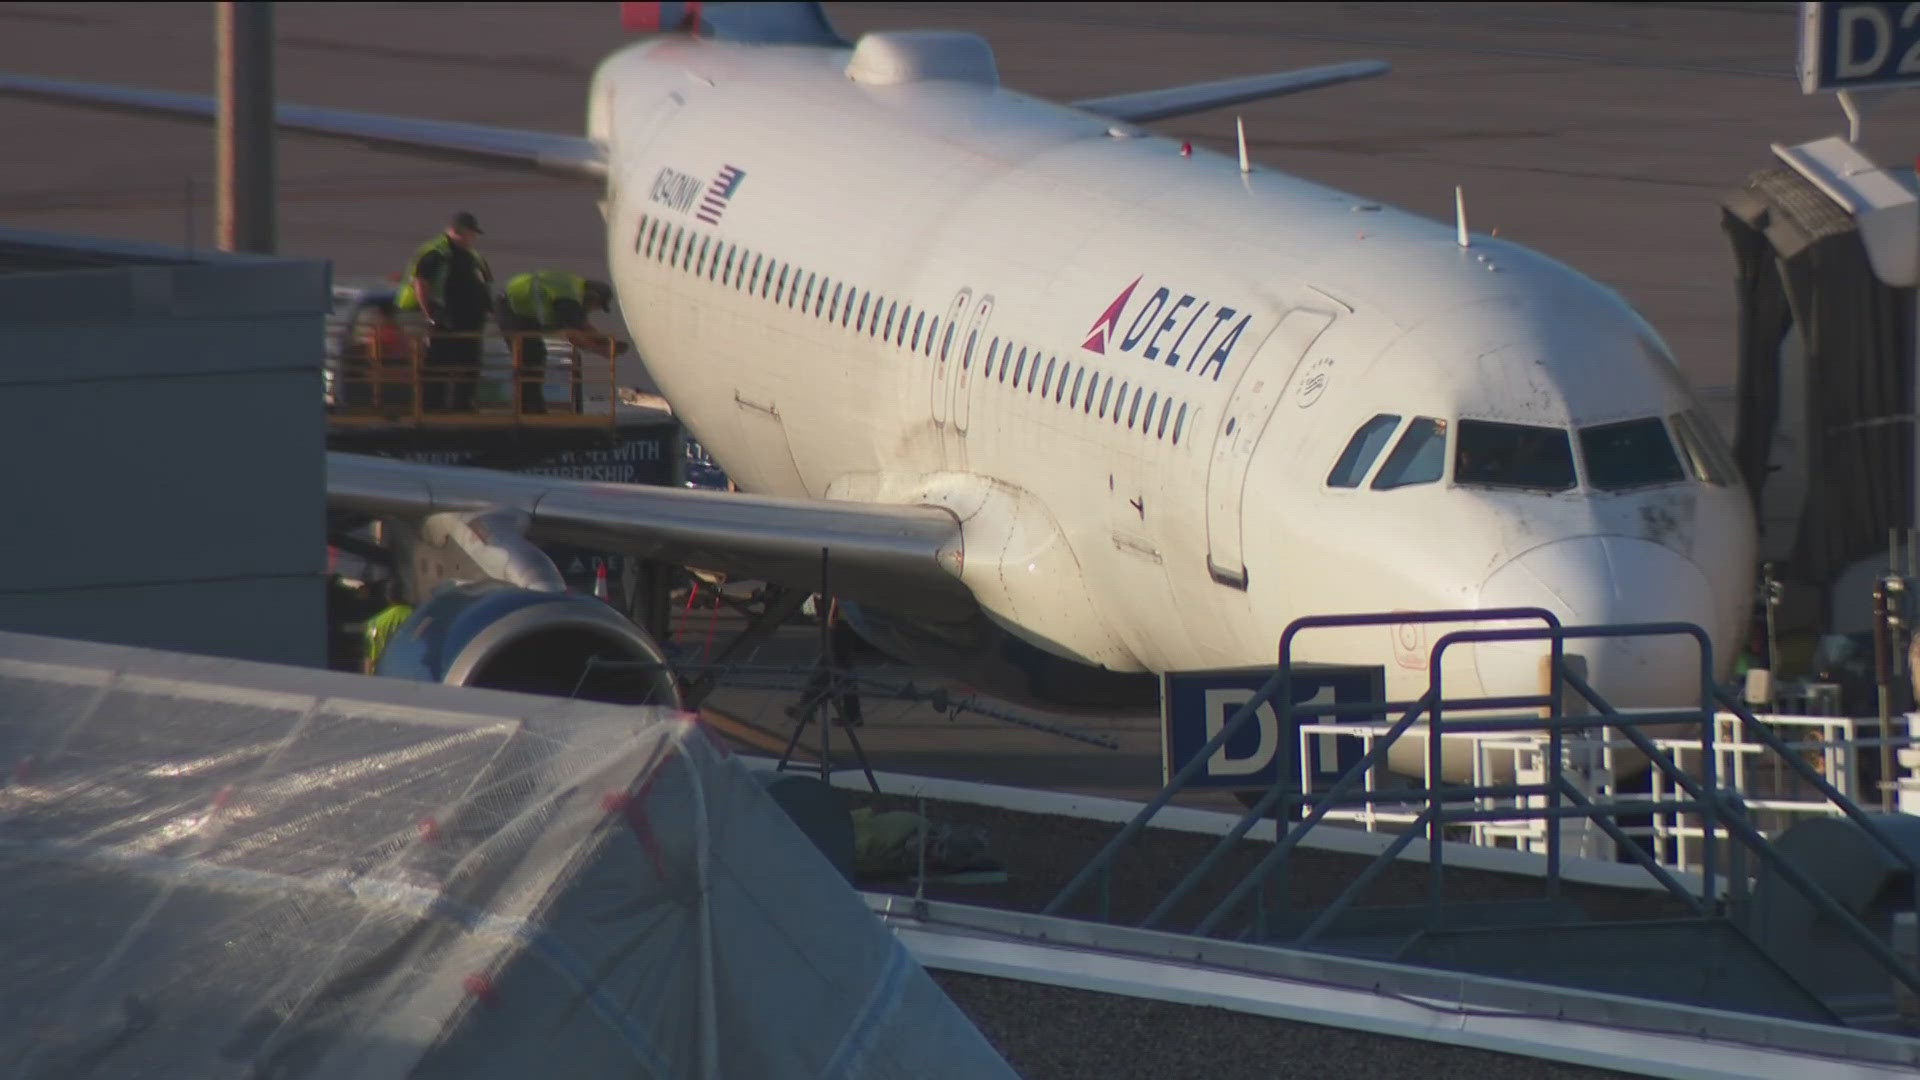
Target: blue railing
{"x": 1447, "y": 803}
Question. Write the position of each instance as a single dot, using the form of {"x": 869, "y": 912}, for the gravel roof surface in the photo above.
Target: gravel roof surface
{"x": 1049, "y": 1031}
{"x": 1057, "y": 1033}
{"x": 1042, "y": 852}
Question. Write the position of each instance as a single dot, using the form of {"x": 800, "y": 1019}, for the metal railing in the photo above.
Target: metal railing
{"x": 398, "y": 380}
{"x": 1552, "y": 800}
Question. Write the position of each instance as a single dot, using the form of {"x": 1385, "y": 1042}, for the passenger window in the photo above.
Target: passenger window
{"x": 1133, "y": 412}
{"x": 700, "y": 259}
{"x": 1060, "y": 388}
{"x": 647, "y": 236}
{"x": 753, "y": 277}
{"x": 820, "y": 301}
{"x": 860, "y": 320}
{"x": 993, "y": 351}
{"x": 1707, "y": 457}
{"x": 1166, "y": 414}
{"x": 1073, "y": 399}
{"x": 726, "y": 270}
{"x": 833, "y": 307}
{"x": 1513, "y": 455}
{"x": 1418, "y": 458}
{"x": 1106, "y": 393}
{"x": 966, "y": 358}
{"x": 780, "y": 290}
{"x": 919, "y": 322}
{"x": 946, "y": 343}
{"x": 1152, "y": 404}
{"x": 1020, "y": 367}
{"x": 806, "y": 295}
{"x": 1631, "y": 454}
{"x": 893, "y": 308}
{"x": 1179, "y": 421}
{"x": 1120, "y": 403}
{"x": 1362, "y": 449}
{"x": 1046, "y": 381}
{"x": 673, "y": 258}
{"x": 933, "y": 333}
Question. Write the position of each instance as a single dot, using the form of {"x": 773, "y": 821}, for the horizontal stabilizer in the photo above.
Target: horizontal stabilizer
{"x": 1199, "y": 97}
{"x": 559, "y": 155}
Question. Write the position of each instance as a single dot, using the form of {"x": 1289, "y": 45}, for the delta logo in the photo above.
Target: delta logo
{"x": 1161, "y": 327}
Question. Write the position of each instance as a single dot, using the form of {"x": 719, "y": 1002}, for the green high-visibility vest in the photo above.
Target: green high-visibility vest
{"x": 381, "y": 627}
{"x": 532, "y": 295}
{"x": 443, "y": 244}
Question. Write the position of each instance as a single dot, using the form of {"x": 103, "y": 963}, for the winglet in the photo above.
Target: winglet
{"x": 1199, "y": 97}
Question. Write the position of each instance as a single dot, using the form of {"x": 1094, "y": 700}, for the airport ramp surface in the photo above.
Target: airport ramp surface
{"x": 213, "y": 868}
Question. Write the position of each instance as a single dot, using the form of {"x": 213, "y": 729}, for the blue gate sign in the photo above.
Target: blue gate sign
{"x": 1195, "y": 705}
{"x": 1844, "y": 46}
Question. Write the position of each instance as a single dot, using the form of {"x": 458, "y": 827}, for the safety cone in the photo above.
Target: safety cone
{"x": 600, "y": 581}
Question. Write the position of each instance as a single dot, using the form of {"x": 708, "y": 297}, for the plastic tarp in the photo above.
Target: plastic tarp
{"x": 211, "y": 868}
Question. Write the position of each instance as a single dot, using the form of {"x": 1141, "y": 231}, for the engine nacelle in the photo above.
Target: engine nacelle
{"x": 495, "y": 635}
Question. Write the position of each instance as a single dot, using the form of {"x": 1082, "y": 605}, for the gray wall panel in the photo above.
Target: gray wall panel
{"x": 162, "y": 441}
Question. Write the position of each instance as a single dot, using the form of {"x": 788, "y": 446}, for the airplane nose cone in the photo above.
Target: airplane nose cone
{"x": 1603, "y": 579}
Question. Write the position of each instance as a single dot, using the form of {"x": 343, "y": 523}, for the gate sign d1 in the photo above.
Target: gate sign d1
{"x": 1195, "y": 705}
{"x": 1844, "y": 46}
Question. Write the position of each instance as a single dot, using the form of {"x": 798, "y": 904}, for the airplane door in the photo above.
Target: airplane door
{"x": 972, "y": 354}
{"x": 1245, "y": 419}
{"x": 938, "y": 389}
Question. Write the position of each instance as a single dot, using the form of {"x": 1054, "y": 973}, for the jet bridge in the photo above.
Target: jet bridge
{"x": 1826, "y": 265}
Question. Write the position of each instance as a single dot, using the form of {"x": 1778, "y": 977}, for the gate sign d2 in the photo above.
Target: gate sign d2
{"x": 1195, "y": 705}
{"x": 1845, "y": 46}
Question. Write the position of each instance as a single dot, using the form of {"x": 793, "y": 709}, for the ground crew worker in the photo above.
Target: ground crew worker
{"x": 450, "y": 284}
{"x": 541, "y": 302}
{"x": 382, "y": 626}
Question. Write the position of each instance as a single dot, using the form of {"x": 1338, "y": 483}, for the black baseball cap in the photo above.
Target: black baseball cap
{"x": 465, "y": 220}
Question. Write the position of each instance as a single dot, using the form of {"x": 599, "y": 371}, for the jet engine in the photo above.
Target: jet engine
{"x": 502, "y": 637}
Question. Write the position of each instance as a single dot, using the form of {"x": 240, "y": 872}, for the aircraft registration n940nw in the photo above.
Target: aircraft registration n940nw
{"x": 1070, "y": 406}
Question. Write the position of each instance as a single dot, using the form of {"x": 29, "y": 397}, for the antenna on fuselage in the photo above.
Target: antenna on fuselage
{"x": 1460, "y": 215}
{"x": 1241, "y": 126}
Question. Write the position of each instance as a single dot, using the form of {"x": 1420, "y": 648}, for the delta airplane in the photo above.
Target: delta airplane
{"x": 1067, "y": 405}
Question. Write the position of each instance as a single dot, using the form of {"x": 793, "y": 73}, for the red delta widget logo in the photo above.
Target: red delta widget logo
{"x": 1161, "y": 327}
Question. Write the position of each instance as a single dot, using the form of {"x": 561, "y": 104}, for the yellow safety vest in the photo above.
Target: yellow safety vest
{"x": 443, "y": 244}
{"x": 381, "y": 627}
{"x": 532, "y": 295}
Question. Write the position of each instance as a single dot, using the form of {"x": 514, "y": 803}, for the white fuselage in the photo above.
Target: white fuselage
{"x": 1146, "y": 486}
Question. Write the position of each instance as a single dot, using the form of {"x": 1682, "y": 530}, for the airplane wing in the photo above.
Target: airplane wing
{"x": 560, "y": 155}
{"x": 904, "y": 559}
{"x": 1199, "y": 97}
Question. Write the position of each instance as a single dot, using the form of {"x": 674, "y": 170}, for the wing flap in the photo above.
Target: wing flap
{"x": 560, "y": 155}
{"x": 1199, "y": 97}
{"x": 903, "y": 559}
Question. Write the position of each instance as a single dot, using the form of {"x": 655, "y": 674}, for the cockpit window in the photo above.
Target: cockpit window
{"x": 1707, "y": 458}
{"x": 1630, "y": 454}
{"x": 1513, "y": 455}
{"x": 1361, "y": 451}
{"x": 1418, "y": 458}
